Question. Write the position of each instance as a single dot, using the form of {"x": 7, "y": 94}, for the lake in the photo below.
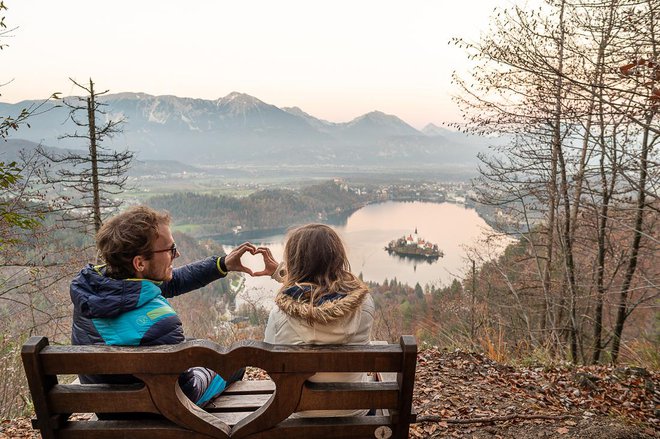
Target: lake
{"x": 367, "y": 231}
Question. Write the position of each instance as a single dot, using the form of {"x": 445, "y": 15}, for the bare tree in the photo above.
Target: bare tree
{"x": 575, "y": 88}
{"x": 517, "y": 89}
{"x": 99, "y": 176}
{"x": 636, "y": 96}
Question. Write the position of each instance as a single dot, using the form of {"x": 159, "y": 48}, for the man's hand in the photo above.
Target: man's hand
{"x": 233, "y": 259}
{"x": 270, "y": 264}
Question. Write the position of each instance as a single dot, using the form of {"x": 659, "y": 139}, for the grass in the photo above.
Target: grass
{"x": 492, "y": 342}
{"x": 641, "y": 353}
{"x": 145, "y": 189}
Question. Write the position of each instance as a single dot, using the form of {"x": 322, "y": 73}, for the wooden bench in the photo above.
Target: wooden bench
{"x": 247, "y": 409}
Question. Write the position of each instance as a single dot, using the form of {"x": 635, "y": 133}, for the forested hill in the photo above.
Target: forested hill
{"x": 262, "y": 210}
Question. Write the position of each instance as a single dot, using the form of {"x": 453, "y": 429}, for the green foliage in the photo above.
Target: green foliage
{"x": 262, "y": 210}
{"x": 12, "y": 215}
{"x": 9, "y": 174}
{"x": 330, "y": 195}
{"x": 19, "y": 220}
{"x": 419, "y": 292}
{"x": 406, "y": 310}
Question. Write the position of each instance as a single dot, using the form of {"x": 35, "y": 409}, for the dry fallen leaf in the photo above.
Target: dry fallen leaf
{"x": 562, "y": 430}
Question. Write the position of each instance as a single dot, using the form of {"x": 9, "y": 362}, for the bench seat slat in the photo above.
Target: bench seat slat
{"x": 320, "y": 396}
{"x": 100, "y": 398}
{"x": 105, "y": 398}
{"x": 338, "y": 427}
{"x": 337, "y": 396}
{"x": 237, "y": 403}
{"x": 172, "y": 359}
{"x": 386, "y": 376}
{"x": 250, "y": 387}
{"x": 298, "y": 428}
{"x": 143, "y": 429}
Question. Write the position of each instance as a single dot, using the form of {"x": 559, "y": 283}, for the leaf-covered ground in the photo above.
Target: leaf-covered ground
{"x": 466, "y": 395}
{"x": 455, "y": 391}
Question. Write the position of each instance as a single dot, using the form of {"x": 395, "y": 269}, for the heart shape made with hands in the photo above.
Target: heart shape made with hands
{"x": 255, "y": 262}
{"x": 245, "y": 258}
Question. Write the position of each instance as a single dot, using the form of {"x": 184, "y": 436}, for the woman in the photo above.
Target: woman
{"x": 320, "y": 302}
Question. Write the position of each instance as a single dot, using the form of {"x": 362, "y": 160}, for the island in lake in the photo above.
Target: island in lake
{"x": 415, "y": 247}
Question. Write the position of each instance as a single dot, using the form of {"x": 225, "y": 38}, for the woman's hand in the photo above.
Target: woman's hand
{"x": 233, "y": 259}
{"x": 270, "y": 264}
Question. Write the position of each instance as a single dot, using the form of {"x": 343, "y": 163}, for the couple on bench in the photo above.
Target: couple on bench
{"x": 124, "y": 303}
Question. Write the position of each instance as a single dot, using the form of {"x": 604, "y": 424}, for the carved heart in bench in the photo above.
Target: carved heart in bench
{"x": 210, "y": 421}
{"x": 239, "y": 399}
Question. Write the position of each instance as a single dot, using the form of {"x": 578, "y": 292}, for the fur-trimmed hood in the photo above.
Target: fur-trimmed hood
{"x": 294, "y": 302}
{"x": 341, "y": 318}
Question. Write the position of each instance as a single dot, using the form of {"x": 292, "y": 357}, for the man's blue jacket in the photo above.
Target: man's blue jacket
{"x": 135, "y": 312}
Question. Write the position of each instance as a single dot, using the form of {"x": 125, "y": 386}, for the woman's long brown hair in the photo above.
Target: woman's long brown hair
{"x": 315, "y": 256}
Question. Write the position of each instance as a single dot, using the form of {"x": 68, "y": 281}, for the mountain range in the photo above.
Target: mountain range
{"x": 241, "y": 129}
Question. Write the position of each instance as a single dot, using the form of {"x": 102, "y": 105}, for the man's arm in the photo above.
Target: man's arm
{"x": 193, "y": 276}
{"x": 201, "y": 273}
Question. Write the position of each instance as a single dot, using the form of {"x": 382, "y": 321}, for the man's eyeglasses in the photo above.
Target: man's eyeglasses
{"x": 173, "y": 251}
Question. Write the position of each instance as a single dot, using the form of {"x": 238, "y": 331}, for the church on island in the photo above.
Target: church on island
{"x": 414, "y": 246}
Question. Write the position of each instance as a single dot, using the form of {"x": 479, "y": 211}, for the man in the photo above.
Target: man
{"x": 124, "y": 301}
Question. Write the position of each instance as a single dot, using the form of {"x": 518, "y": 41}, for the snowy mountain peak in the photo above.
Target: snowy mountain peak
{"x": 376, "y": 114}
{"x": 240, "y": 103}
{"x": 379, "y": 118}
{"x": 239, "y": 99}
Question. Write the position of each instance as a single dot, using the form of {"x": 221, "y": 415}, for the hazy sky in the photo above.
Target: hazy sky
{"x": 334, "y": 59}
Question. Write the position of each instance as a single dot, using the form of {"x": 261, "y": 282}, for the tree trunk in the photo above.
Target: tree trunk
{"x": 607, "y": 188}
{"x": 559, "y": 166}
{"x": 622, "y": 311}
{"x": 91, "y": 106}
{"x": 606, "y": 192}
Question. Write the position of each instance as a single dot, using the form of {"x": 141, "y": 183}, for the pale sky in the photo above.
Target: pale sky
{"x": 334, "y": 59}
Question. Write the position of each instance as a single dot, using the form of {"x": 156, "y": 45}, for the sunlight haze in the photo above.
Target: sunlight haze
{"x": 335, "y": 60}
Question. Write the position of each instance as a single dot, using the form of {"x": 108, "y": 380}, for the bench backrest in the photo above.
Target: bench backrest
{"x": 159, "y": 367}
